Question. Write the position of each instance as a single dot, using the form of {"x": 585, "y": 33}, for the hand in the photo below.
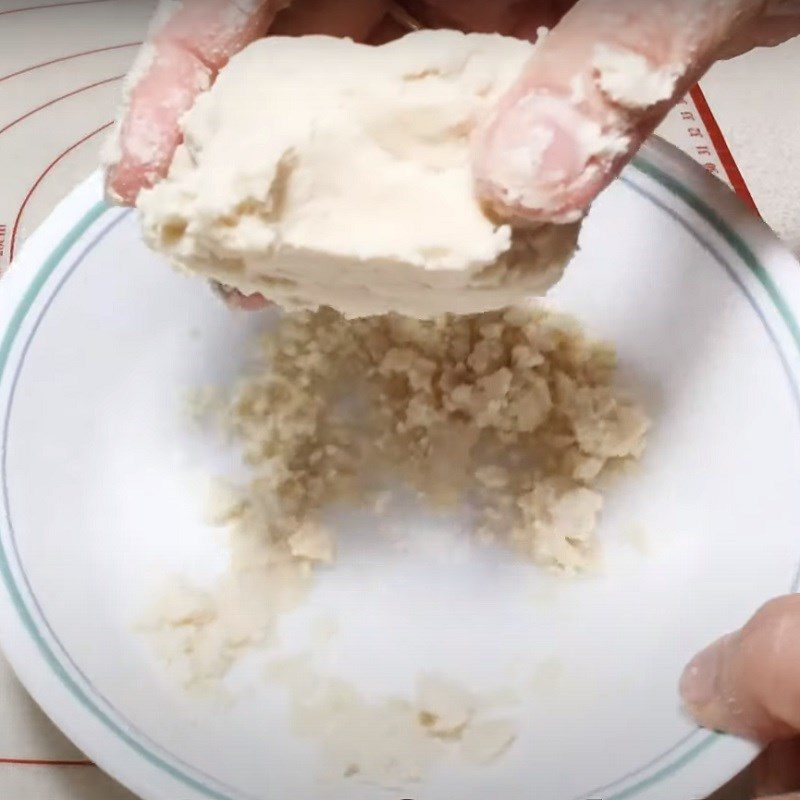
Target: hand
{"x": 590, "y": 116}
{"x": 601, "y": 83}
{"x": 748, "y": 684}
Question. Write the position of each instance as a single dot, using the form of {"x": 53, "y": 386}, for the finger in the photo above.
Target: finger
{"x": 215, "y": 30}
{"x": 748, "y": 683}
{"x": 779, "y": 23}
{"x": 147, "y": 134}
{"x": 596, "y": 87}
{"x": 239, "y": 301}
{"x": 777, "y": 769}
{"x": 187, "y": 49}
{"x": 353, "y": 18}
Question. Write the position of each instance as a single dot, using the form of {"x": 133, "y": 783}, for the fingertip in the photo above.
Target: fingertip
{"x": 189, "y": 45}
{"x": 707, "y": 694}
{"x": 544, "y": 159}
{"x": 117, "y": 191}
{"x": 699, "y": 681}
{"x": 746, "y": 683}
{"x": 124, "y": 181}
{"x": 160, "y": 91}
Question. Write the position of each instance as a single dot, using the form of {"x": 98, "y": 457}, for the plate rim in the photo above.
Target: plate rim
{"x": 62, "y": 697}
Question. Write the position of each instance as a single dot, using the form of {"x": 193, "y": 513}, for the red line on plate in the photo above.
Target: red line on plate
{"x": 50, "y": 166}
{"x": 725, "y": 156}
{"x": 58, "y": 99}
{"x": 67, "y": 58}
{"x": 44, "y": 762}
{"x": 53, "y": 5}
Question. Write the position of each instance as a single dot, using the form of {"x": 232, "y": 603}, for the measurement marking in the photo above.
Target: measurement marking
{"x": 721, "y": 146}
{"x": 67, "y": 58}
{"x": 58, "y": 99}
{"x": 15, "y": 229}
{"x": 54, "y": 5}
{"x": 45, "y": 762}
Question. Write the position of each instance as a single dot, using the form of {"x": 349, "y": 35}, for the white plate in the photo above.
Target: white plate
{"x": 101, "y": 342}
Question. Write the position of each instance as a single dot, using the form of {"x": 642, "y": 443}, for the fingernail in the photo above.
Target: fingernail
{"x": 531, "y": 150}
{"x": 539, "y": 151}
{"x": 699, "y": 684}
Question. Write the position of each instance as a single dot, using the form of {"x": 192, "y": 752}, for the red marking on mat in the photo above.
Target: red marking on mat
{"x": 58, "y": 99}
{"x": 44, "y": 762}
{"x": 68, "y": 58}
{"x": 37, "y": 183}
{"x": 54, "y": 5}
{"x": 721, "y": 146}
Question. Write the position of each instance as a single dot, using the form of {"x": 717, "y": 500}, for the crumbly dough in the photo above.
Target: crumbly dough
{"x": 514, "y": 411}
{"x": 487, "y": 741}
{"x": 390, "y": 742}
{"x": 318, "y": 171}
{"x": 630, "y": 80}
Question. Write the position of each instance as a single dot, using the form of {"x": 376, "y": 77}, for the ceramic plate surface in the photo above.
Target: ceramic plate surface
{"x": 101, "y": 342}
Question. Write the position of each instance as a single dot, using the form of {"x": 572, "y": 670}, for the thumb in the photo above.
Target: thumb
{"x": 596, "y": 87}
{"x": 748, "y": 683}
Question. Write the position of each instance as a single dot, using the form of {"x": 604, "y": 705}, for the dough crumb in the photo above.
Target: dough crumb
{"x": 487, "y": 741}
{"x": 312, "y": 542}
{"x": 443, "y": 708}
{"x": 203, "y": 404}
{"x": 629, "y": 79}
{"x": 638, "y": 537}
{"x": 224, "y": 502}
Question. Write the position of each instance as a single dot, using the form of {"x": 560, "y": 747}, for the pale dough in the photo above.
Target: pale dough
{"x": 514, "y": 413}
{"x": 390, "y": 742}
{"x": 318, "y": 171}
